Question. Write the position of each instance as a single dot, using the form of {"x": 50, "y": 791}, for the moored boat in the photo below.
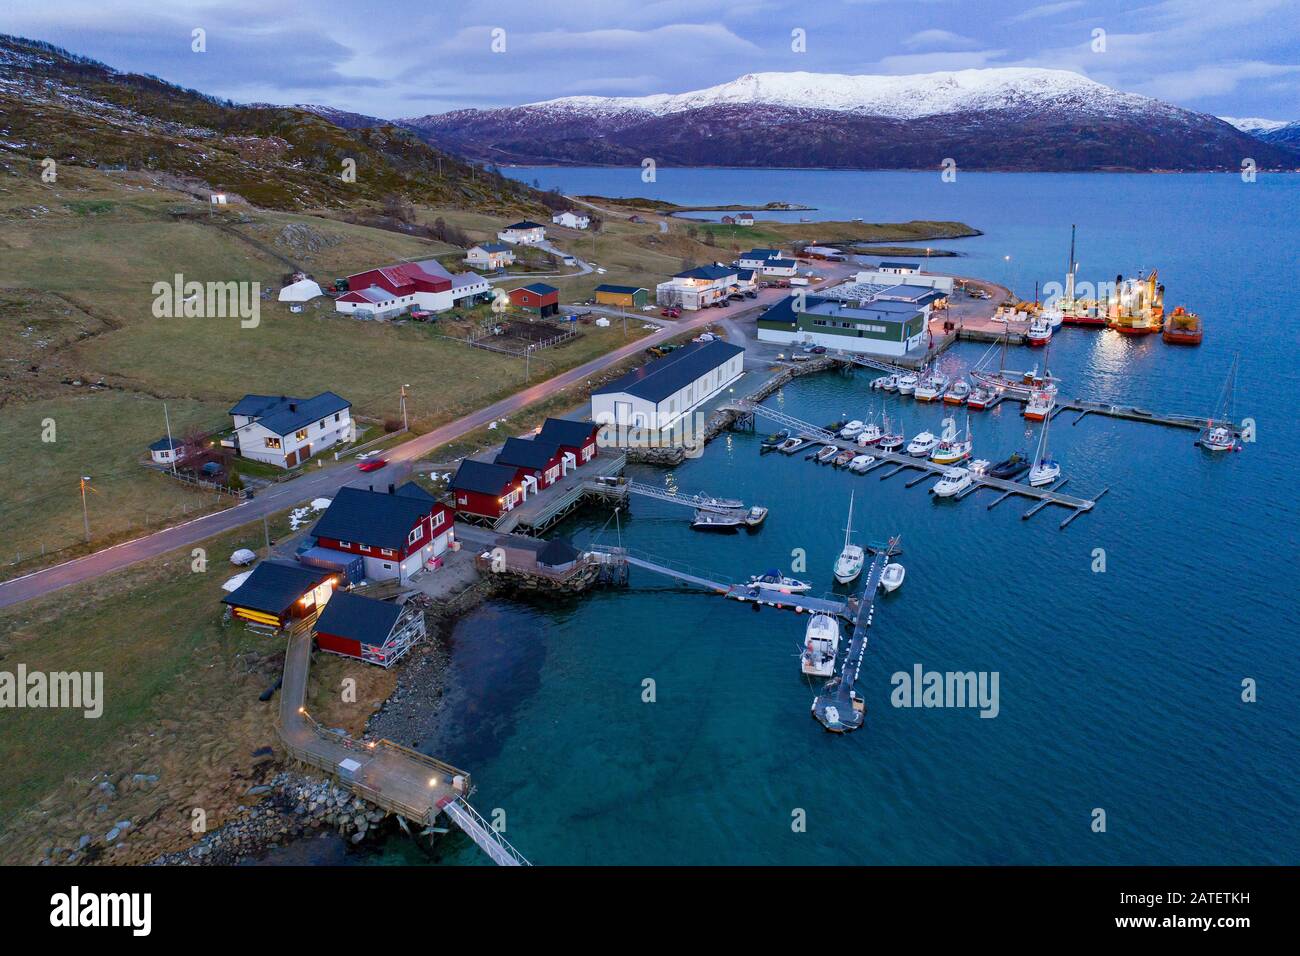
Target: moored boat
{"x": 870, "y": 434}
{"x": 755, "y": 516}
{"x": 861, "y": 463}
{"x": 952, "y": 449}
{"x": 774, "y": 440}
{"x": 981, "y": 396}
{"x": 953, "y": 482}
{"x": 891, "y": 579}
{"x": 849, "y": 564}
{"x": 821, "y": 644}
{"x": 1039, "y": 406}
{"x": 931, "y": 386}
{"x": 1039, "y": 333}
{"x": 1137, "y": 305}
{"x": 827, "y": 453}
{"x": 774, "y": 580}
{"x": 921, "y": 445}
{"x": 716, "y": 521}
{"x": 1045, "y": 469}
{"x": 886, "y": 383}
{"x": 788, "y": 446}
{"x": 852, "y": 429}
{"x": 1011, "y": 467}
{"x": 1182, "y": 328}
{"x": 907, "y": 383}
{"x": 958, "y": 392}
{"x": 843, "y": 458}
{"x": 1220, "y": 433}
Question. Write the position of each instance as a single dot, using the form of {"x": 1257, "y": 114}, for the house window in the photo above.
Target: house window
{"x": 438, "y": 519}
{"x": 365, "y": 547}
{"x": 336, "y": 416}
{"x": 321, "y": 424}
{"x": 273, "y": 442}
{"x": 300, "y": 434}
{"x": 414, "y": 536}
{"x": 345, "y": 544}
{"x": 386, "y": 552}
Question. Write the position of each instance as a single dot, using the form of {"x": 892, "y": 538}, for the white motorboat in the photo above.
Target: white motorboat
{"x": 861, "y": 463}
{"x": 870, "y": 434}
{"x": 849, "y": 564}
{"x": 774, "y": 580}
{"x": 952, "y": 449}
{"x": 953, "y": 482}
{"x": 1045, "y": 469}
{"x": 788, "y": 446}
{"x": 978, "y": 466}
{"x": 717, "y": 521}
{"x": 891, "y": 579}
{"x": 957, "y": 392}
{"x": 931, "y": 387}
{"x": 922, "y": 445}
{"x": 852, "y": 430}
{"x": 907, "y": 383}
{"x": 820, "y": 645}
{"x": 887, "y": 383}
{"x": 827, "y": 453}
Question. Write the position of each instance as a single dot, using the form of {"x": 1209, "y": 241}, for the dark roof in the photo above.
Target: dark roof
{"x": 706, "y": 272}
{"x": 284, "y": 414}
{"x": 566, "y": 432}
{"x": 164, "y": 443}
{"x": 656, "y": 380}
{"x": 557, "y": 551}
{"x": 745, "y": 274}
{"x": 359, "y": 618}
{"x": 485, "y": 477}
{"x": 412, "y": 490}
{"x": 783, "y": 311}
{"x": 272, "y": 586}
{"x": 528, "y": 452}
{"x": 493, "y": 246}
{"x": 760, "y": 254}
{"x": 781, "y": 263}
{"x": 899, "y": 265}
{"x": 538, "y": 288}
{"x": 372, "y": 517}
{"x": 525, "y": 224}
{"x": 621, "y": 289}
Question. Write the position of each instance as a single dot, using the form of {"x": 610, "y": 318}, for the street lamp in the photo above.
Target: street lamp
{"x": 85, "y": 514}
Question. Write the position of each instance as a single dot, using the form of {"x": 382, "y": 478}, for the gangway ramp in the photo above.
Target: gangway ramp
{"x": 697, "y": 502}
{"x": 491, "y": 842}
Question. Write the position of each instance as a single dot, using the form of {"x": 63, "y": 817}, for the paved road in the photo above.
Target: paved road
{"x": 324, "y": 482}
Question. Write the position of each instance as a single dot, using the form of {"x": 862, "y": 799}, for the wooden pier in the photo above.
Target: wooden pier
{"x": 931, "y": 470}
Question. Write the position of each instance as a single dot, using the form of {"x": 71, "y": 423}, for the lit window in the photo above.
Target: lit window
{"x": 272, "y": 442}
{"x": 300, "y": 434}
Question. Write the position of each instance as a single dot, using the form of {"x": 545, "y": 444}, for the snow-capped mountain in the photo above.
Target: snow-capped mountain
{"x": 1004, "y": 118}
{"x": 1276, "y": 132}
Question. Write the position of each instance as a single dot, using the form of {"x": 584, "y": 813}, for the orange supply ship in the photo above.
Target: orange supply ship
{"x": 1137, "y": 306}
{"x": 1182, "y": 328}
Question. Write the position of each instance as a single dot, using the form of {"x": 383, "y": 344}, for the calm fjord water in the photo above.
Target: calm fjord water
{"x": 1119, "y": 690}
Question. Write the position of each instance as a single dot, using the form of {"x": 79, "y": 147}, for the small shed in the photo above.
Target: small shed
{"x": 275, "y": 594}
{"x": 378, "y": 632}
{"x": 537, "y": 297}
{"x": 352, "y": 567}
{"x": 626, "y": 296}
{"x": 558, "y": 555}
{"x": 166, "y": 450}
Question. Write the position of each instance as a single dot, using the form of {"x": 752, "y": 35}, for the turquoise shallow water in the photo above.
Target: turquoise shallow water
{"x": 1118, "y": 690}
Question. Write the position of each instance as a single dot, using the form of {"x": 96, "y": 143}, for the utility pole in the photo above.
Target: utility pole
{"x": 404, "y": 422}
{"x": 266, "y": 533}
{"x": 85, "y": 513}
{"x": 170, "y": 447}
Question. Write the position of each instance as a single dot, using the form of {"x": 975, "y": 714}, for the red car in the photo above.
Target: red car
{"x": 671, "y": 313}
{"x": 372, "y": 464}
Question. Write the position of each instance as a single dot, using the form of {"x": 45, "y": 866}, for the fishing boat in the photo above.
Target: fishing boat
{"x": 907, "y": 383}
{"x": 1136, "y": 307}
{"x": 931, "y": 386}
{"x": 789, "y": 446}
{"x": 870, "y": 434}
{"x": 849, "y": 564}
{"x": 843, "y": 458}
{"x": 852, "y": 429}
{"x": 1011, "y": 467}
{"x": 1220, "y": 433}
{"x": 922, "y": 445}
{"x": 827, "y": 453}
{"x": 774, "y": 440}
{"x": 820, "y": 645}
{"x": 953, "y": 482}
{"x": 774, "y": 580}
{"x": 886, "y": 383}
{"x": 958, "y": 392}
{"x": 717, "y": 521}
{"x": 1182, "y": 328}
{"x": 755, "y": 516}
{"x": 980, "y": 398}
{"x": 891, "y": 579}
{"x": 861, "y": 463}
{"x": 1039, "y": 333}
{"x": 1045, "y": 469}
{"x": 952, "y": 449}
{"x": 1039, "y": 406}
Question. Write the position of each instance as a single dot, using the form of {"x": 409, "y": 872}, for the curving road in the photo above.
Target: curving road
{"x": 324, "y": 482}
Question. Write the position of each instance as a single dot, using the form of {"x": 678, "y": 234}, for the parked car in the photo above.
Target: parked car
{"x": 751, "y": 294}
{"x": 818, "y": 350}
{"x": 736, "y": 296}
{"x": 372, "y": 464}
{"x": 671, "y": 313}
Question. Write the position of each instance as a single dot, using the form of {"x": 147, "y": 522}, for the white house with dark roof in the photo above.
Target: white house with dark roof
{"x": 698, "y": 288}
{"x": 910, "y": 273}
{"x": 284, "y": 431}
{"x": 167, "y": 451}
{"x": 758, "y": 258}
{"x": 659, "y": 393}
{"x": 490, "y": 255}
{"x": 525, "y": 233}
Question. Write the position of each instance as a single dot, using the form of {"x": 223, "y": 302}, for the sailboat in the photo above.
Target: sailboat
{"x": 1045, "y": 469}
{"x": 849, "y": 564}
{"x": 1005, "y": 381}
{"x": 1219, "y": 434}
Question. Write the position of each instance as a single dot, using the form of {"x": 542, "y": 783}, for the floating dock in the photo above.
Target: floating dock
{"x": 839, "y": 708}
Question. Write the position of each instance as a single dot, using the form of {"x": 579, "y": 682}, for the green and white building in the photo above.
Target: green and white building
{"x": 881, "y": 327}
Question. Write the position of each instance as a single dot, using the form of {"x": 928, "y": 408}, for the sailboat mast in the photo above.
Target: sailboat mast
{"x": 848, "y": 529}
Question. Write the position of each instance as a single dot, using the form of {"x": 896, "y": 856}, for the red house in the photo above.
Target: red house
{"x": 538, "y": 297}
{"x": 397, "y": 533}
{"x": 377, "y": 632}
{"x": 577, "y": 439}
{"x": 484, "y": 489}
{"x": 540, "y": 463}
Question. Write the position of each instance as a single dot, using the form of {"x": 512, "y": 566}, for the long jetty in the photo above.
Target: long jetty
{"x": 838, "y": 708}
{"x": 929, "y": 469}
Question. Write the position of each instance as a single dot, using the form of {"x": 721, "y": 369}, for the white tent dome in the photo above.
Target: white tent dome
{"x": 302, "y": 291}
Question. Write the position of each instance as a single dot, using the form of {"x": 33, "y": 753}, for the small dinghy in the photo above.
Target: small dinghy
{"x": 788, "y": 446}
{"x": 891, "y": 579}
{"x": 827, "y": 453}
{"x": 772, "y": 441}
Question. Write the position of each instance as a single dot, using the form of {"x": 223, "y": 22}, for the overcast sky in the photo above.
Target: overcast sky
{"x": 400, "y": 58}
